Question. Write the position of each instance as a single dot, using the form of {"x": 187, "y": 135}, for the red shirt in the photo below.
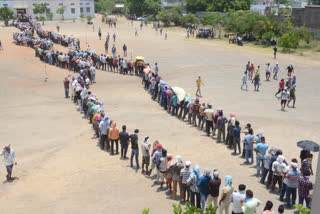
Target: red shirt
{"x": 281, "y": 84}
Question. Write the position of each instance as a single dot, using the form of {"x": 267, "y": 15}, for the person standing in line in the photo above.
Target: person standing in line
{"x": 250, "y": 205}
{"x": 266, "y": 168}
{"x": 134, "y": 148}
{"x": 306, "y": 164}
{"x": 245, "y": 80}
{"x": 124, "y": 142}
{"x": 226, "y": 195}
{"x": 209, "y": 115}
{"x": 236, "y": 198}
{"x": 268, "y": 208}
{"x": 184, "y": 174}
{"x": 305, "y": 185}
{"x": 9, "y": 160}
{"x": 275, "y": 49}
{"x": 145, "y": 147}
{"x": 66, "y": 84}
{"x": 203, "y": 187}
{"x": 114, "y": 137}
{"x": 103, "y": 126}
{"x": 175, "y": 167}
{"x": 199, "y": 83}
{"x": 236, "y": 137}
{"x": 248, "y": 145}
{"x": 221, "y": 126}
{"x": 278, "y": 167}
{"x": 194, "y": 190}
{"x": 155, "y": 159}
{"x": 162, "y": 166}
{"x": 214, "y": 188}
{"x": 292, "y": 183}
{"x": 261, "y": 150}
{"x": 276, "y": 70}
{"x": 154, "y": 149}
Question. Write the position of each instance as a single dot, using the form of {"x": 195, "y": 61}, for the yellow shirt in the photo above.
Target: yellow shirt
{"x": 199, "y": 82}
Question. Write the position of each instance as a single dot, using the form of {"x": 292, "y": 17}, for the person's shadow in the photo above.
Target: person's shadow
{"x": 11, "y": 180}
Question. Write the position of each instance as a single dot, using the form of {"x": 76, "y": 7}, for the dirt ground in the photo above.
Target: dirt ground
{"x": 61, "y": 169}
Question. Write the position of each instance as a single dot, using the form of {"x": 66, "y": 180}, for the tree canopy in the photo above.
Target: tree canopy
{"x": 6, "y": 13}
{"x": 40, "y": 8}
{"x": 217, "y": 5}
{"x": 143, "y": 7}
{"x": 104, "y": 6}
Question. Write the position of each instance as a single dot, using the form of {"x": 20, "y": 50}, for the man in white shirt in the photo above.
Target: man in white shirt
{"x": 236, "y": 198}
{"x": 9, "y": 160}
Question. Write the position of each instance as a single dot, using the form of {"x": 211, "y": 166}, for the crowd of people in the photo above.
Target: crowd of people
{"x": 287, "y": 88}
{"x": 199, "y": 189}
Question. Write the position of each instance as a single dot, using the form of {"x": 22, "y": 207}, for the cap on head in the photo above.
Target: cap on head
{"x": 188, "y": 163}
{"x": 159, "y": 145}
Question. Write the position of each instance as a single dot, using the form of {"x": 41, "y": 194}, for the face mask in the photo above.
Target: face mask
{"x": 307, "y": 177}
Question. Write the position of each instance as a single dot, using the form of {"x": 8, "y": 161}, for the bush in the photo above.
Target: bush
{"x": 89, "y": 18}
{"x": 301, "y": 209}
{"x": 190, "y": 18}
{"x": 289, "y": 41}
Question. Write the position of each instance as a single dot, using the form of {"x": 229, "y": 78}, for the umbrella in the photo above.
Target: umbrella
{"x": 139, "y": 58}
{"x": 93, "y": 51}
{"x": 181, "y": 94}
{"x": 308, "y": 145}
{"x": 147, "y": 70}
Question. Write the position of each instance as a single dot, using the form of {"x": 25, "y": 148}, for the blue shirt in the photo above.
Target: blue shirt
{"x": 293, "y": 178}
{"x": 247, "y": 140}
{"x": 203, "y": 184}
{"x": 262, "y": 149}
{"x": 236, "y": 132}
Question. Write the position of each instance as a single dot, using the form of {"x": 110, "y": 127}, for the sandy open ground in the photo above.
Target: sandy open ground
{"x": 61, "y": 169}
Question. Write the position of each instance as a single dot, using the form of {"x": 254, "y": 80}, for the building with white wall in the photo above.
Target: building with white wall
{"x": 72, "y": 8}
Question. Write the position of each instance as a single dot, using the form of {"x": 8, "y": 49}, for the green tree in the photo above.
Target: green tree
{"x": 6, "y": 13}
{"x": 49, "y": 16}
{"x": 143, "y": 7}
{"x": 164, "y": 17}
{"x": 60, "y": 10}
{"x": 89, "y": 18}
{"x": 40, "y": 8}
{"x": 42, "y": 18}
{"x": 216, "y": 20}
{"x": 315, "y": 2}
{"x": 196, "y": 5}
{"x": 104, "y": 6}
{"x": 289, "y": 41}
{"x": 190, "y": 18}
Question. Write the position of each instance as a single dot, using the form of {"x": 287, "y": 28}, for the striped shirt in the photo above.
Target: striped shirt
{"x": 304, "y": 187}
{"x": 185, "y": 173}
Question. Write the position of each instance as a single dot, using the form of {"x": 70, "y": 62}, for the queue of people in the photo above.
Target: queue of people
{"x": 193, "y": 186}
